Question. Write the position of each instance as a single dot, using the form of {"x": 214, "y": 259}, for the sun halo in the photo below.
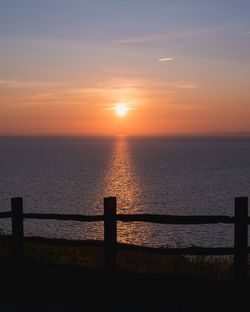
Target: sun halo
{"x": 121, "y": 109}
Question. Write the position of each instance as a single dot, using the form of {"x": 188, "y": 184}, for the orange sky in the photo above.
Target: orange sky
{"x": 180, "y": 108}
{"x": 188, "y": 73}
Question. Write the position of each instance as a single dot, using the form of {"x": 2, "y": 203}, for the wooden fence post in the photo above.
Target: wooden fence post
{"x": 110, "y": 234}
{"x": 17, "y": 227}
{"x": 240, "y": 239}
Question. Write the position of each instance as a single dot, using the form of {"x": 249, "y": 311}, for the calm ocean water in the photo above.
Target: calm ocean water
{"x": 165, "y": 175}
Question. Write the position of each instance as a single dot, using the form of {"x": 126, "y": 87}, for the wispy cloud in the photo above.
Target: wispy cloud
{"x": 103, "y": 94}
{"x": 174, "y": 85}
{"x": 142, "y": 39}
{"x": 23, "y": 84}
{"x": 185, "y": 85}
{"x": 41, "y": 96}
{"x": 166, "y": 59}
{"x": 167, "y": 36}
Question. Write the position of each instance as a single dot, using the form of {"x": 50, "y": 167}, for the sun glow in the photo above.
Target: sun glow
{"x": 121, "y": 109}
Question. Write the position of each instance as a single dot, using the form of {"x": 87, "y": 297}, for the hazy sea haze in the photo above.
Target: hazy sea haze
{"x": 162, "y": 175}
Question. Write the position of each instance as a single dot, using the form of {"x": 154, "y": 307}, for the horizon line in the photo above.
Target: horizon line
{"x": 219, "y": 133}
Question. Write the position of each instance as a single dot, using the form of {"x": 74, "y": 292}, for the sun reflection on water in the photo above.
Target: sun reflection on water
{"x": 121, "y": 181}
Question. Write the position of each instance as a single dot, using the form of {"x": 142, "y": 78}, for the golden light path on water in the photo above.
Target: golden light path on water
{"x": 121, "y": 181}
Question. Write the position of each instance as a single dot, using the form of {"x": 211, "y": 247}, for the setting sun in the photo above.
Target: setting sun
{"x": 121, "y": 109}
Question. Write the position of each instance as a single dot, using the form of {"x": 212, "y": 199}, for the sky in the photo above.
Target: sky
{"x": 179, "y": 66}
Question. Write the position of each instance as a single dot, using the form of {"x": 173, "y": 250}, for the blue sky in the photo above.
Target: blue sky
{"x": 84, "y": 19}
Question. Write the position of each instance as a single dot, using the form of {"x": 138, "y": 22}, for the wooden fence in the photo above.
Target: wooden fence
{"x": 240, "y": 220}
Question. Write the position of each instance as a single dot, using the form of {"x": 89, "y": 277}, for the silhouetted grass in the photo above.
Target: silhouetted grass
{"x": 88, "y": 257}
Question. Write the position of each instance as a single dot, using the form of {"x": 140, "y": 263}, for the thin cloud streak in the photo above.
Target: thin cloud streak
{"x": 166, "y": 59}
{"x": 186, "y": 85}
{"x": 170, "y": 36}
{"x": 23, "y": 84}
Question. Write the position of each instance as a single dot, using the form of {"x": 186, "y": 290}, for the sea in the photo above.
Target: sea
{"x": 173, "y": 175}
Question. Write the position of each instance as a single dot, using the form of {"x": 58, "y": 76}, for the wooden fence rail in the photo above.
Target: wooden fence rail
{"x": 240, "y": 220}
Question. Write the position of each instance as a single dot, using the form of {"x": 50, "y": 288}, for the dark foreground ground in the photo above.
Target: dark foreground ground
{"x": 34, "y": 287}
